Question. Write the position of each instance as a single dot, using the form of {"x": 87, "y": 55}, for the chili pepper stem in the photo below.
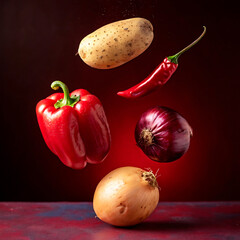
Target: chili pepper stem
{"x": 67, "y": 100}
{"x": 174, "y": 58}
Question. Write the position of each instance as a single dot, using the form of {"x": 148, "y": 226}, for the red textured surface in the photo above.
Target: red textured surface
{"x": 74, "y": 221}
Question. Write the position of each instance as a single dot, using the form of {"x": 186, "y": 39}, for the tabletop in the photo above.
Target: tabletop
{"x": 77, "y": 220}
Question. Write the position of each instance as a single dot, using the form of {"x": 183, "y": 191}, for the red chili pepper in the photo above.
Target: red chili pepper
{"x": 74, "y": 126}
{"x": 159, "y": 76}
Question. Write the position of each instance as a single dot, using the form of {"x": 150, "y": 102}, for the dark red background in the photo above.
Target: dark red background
{"x": 39, "y": 41}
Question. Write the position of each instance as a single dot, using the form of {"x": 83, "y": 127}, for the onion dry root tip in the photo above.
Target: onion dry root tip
{"x": 150, "y": 178}
{"x": 146, "y": 138}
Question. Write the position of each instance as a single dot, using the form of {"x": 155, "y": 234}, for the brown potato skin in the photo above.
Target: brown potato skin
{"x": 116, "y": 43}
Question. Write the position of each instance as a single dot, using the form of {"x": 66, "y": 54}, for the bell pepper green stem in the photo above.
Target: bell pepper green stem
{"x": 174, "y": 58}
{"x": 67, "y": 100}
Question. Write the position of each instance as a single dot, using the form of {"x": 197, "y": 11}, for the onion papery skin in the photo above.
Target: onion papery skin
{"x": 126, "y": 196}
{"x": 163, "y": 134}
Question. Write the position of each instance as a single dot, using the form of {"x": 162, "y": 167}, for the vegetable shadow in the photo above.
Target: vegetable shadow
{"x": 164, "y": 226}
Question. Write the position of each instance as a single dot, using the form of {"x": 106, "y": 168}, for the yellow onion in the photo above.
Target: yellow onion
{"x": 126, "y": 196}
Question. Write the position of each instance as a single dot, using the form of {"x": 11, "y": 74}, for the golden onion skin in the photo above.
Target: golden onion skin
{"x": 126, "y": 196}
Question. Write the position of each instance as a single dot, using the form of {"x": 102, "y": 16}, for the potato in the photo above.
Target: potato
{"x": 116, "y": 43}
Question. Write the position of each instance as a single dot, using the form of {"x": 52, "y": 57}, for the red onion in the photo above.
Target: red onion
{"x": 163, "y": 134}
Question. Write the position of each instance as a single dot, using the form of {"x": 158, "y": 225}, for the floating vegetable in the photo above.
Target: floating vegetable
{"x": 116, "y": 43}
{"x": 163, "y": 134}
{"x": 126, "y": 196}
{"x": 74, "y": 126}
{"x": 159, "y": 76}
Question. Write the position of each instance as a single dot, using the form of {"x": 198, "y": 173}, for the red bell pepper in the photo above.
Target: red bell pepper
{"x": 74, "y": 126}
